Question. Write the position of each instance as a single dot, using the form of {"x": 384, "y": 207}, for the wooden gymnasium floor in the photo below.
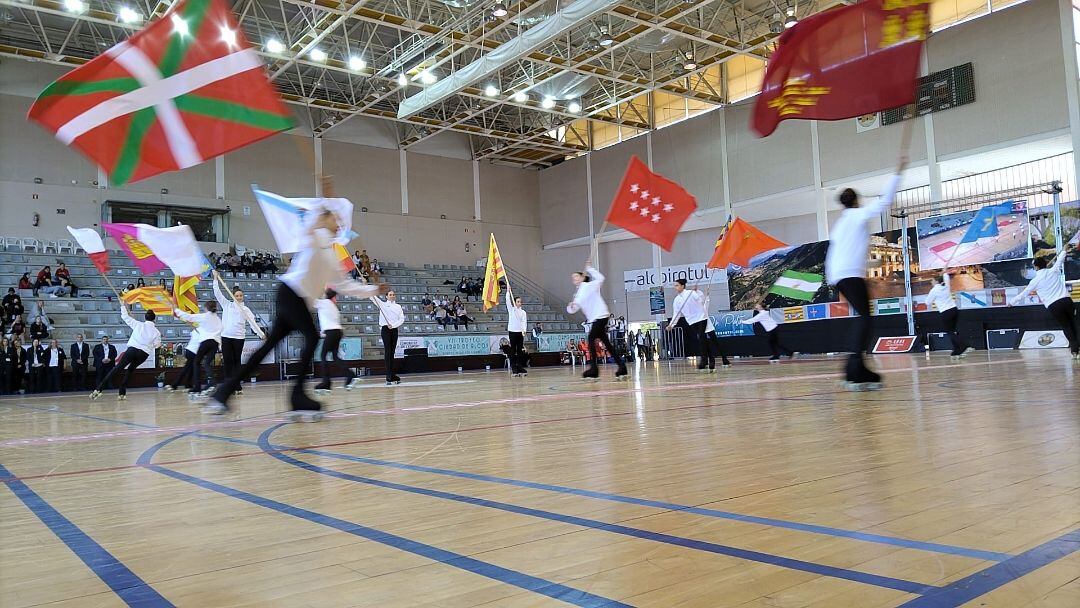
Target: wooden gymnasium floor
{"x": 763, "y": 485}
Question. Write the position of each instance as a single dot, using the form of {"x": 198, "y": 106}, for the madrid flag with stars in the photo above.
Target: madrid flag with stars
{"x": 185, "y": 89}
{"x": 650, "y": 205}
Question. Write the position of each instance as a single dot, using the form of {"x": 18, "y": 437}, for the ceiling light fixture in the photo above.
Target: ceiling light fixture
{"x": 128, "y": 15}
{"x": 356, "y": 64}
{"x": 499, "y": 10}
{"x": 548, "y": 103}
{"x": 574, "y": 107}
{"x": 317, "y": 55}
{"x": 402, "y": 80}
{"x": 228, "y": 36}
{"x": 491, "y": 90}
{"x": 520, "y": 97}
{"x": 791, "y": 19}
{"x": 75, "y": 6}
{"x": 274, "y": 46}
{"x": 178, "y": 24}
{"x": 428, "y": 77}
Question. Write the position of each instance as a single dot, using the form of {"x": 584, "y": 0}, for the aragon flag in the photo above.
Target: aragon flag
{"x": 186, "y": 88}
{"x": 844, "y": 62}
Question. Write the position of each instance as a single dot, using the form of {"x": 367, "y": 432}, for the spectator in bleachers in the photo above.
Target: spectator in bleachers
{"x": 17, "y": 329}
{"x": 13, "y": 306}
{"x": 140, "y": 283}
{"x": 365, "y": 262}
{"x": 104, "y": 360}
{"x": 537, "y": 331}
{"x": 25, "y": 282}
{"x": 39, "y": 330}
{"x": 429, "y": 305}
{"x": 66, "y": 287}
{"x": 462, "y": 288}
{"x": 234, "y": 264}
{"x": 80, "y": 358}
{"x": 129, "y": 287}
{"x": 44, "y": 279}
{"x": 376, "y": 270}
{"x": 7, "y": 358}
{"x": 461, "y": 315}
{"x": 441, "y": 316}
{"x": 38, "y": 311}
{"x": 54, "y": 366}
{"x": 36, "y": 360}
{"x": 271, "y": 264}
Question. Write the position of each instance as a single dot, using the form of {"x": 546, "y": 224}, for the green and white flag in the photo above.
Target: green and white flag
{"x": 887, "y": 306}
{"x": 797, "y": 285}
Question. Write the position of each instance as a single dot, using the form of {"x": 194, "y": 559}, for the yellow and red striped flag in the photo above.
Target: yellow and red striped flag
{"x": 347, "y": 263}
{"x": 184, "y": 293}
{"x": 153, "y": 298}
{"x": 492, "y": 274}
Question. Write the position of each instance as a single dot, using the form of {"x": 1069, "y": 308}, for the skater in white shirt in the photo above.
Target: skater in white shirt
{"x": 1049, "y": 284}
{"x": 772, "y": 331}
{"x": 590, "y": 302}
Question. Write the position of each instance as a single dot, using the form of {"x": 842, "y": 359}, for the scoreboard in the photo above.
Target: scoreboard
{"x": 936, "y": 92}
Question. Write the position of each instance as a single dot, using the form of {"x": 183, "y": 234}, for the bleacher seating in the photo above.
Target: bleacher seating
{"x": 96, "y": 316}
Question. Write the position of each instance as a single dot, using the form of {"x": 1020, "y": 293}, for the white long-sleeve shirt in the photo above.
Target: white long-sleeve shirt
{"x": 849, "y": 237}
{"x": 588, "y": 298}
{"x": 235, "y": 317}
{"x": 690, "y": 304}
{"x": 144, "y": 334}
{"x": 390, "y": 313}
{"x": 315, "y": 267}
{"x": 329, "y": 315}
{"x": 1048, "y": 283}
{"x": 207, "y": 325}
{"x": 767, "y": 322}
{"x": 709, "y": 328}
{"x": 940, "y": 296}
{"x": 517, "y": 317}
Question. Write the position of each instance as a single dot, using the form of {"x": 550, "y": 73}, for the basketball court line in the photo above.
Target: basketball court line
{"x": 124, "y": 583}
{"x": 344, "y": 413}
{"x": 527, "y": 582}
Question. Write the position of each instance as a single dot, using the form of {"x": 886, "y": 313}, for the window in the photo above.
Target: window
{"x": 209, "y": 225}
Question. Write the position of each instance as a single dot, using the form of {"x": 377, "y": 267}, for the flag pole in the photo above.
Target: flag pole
{"x": 110, "y": 284}
{"x": 223, "y": 284}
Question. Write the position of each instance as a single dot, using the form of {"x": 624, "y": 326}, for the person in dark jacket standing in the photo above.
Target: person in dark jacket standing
{"x": 6, "y": 360}
{"x": 80, "y": 358}
{"x": 104, "y": 360}
{"x": 36, "y": 360}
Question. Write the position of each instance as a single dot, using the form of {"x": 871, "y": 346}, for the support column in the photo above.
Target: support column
{"x": 476, "y": 189}
{"x": 219, "y": 177}
{"x": 403, "y": 163}
{"x": 657, "y": 252}
{"x": 724, "y": 174}
{"x": 931, "y": 142}
{"x": 821, "y": 209}
{"x": 316, "y": 144}
{"x": 102, "y": 178}
{"x": 1069, "y": 47}
{"x": 594, "y": 252}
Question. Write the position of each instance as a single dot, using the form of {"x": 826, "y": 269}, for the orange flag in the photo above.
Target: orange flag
{"x": 347, "y": 263}
{"x": 739, "y": 242}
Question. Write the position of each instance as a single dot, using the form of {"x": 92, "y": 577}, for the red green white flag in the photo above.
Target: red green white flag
{"x": 186, "y": 88}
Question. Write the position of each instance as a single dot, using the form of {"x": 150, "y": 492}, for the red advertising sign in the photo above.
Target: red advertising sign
{"x": 894, "y": 344}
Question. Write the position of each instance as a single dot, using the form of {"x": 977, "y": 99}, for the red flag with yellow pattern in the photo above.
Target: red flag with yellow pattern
{"x": 844, "y": 62}
{"x": 185, "y": 295}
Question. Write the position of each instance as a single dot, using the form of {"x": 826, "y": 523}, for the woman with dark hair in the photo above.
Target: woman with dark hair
{"x": 330, "y": 325}
{"x": 1049, "y": 284}
{"x": 144, "y": 340}
{"x": 590, "y": 302}
{"x": 941, "y": 298}
{"x": 845, "y": 268}
{"x": 770, "y": 327}
{"x": 25, "y": 282}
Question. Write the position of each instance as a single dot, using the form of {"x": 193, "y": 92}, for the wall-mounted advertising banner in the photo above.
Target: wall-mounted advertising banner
{"x": 730, "y": 324}
{"x": 553, "y": 343}
{"x": 896, "y": 344}
{"x": 644, "y": 279}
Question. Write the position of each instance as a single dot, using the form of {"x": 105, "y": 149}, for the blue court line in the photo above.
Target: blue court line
{"x": 755, "y": 556}
{"x": 124, "y": 583}
{"x": 541, "y": 586}
{"x": 765, "y": 521}
{"x": 999, "y": 575}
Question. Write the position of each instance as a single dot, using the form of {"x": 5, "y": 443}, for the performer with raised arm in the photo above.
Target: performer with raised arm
{"x": 208, "y": 332}
{"x": 689, "y": 304}
{"x": 712, "y": 339}
{"x": 845, "y": 268}
{"x": 1049, "y": 284}
{"x": 144, "y": 340}
{"x": 590, "y": 302}
{"x": 516, "y": 323}
{"x": 314, "y": 267}
{"x": 941, "y": 298}
{"x": 330, "y": 325}
{"x": 391, "y": 317}
{"x": 235, "y": 319}
{"x": 770, "y": 326}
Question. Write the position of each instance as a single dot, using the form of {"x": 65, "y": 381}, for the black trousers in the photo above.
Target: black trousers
{"x": 293, "y": 314}
{"x": 131, "y": 359}
{"x": 949, "y": 319}
{"x": 103, "y": 372}
{"x": 185, "y": 374}
{"x": 1064, "y": 313}
{"x": 37, "y": 379}
{"x": 714, "y": 345}
{"x": 78, "y": 376}
{"x": 705, "y": 348}
{"x": 517, "y": 352}
{"x": 331, "y": 342}
{"x": 231, "y": 350}
{"x": 204, "y": 365}
{"x": 52, "y": 378}
{"x": 774, "y": 343}
{"x": 598, "y": 331}
{"x": 854, "y": 291}
{"x": 389, "y": 341}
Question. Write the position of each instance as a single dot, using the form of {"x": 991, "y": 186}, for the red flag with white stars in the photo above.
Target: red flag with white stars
{"x": 650, "y": 205}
